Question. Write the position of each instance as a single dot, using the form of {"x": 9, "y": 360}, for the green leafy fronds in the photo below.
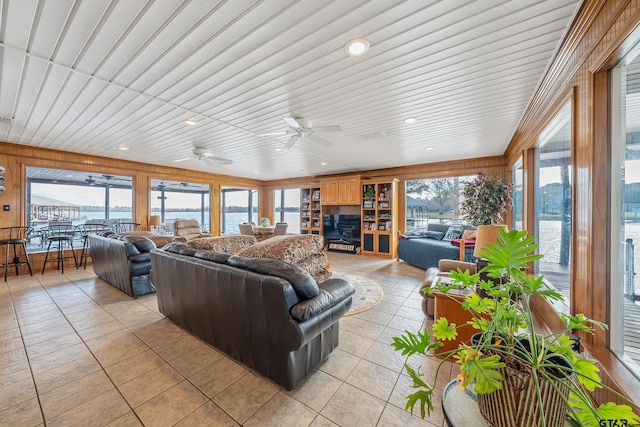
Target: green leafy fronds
{"x": 410, "y": 343}
{"x": 473, "y": 302}
{"x": 587, "y": 372}
{"x": 443, "y": 330}
{"x": 485, "y": 372}
{"x": 563, "y": 345}
{"x": 607, "y": 411}
{"x": 424, "y": 395}
{"x": 581, "y": 322}
{"x": 510, "y": 254}
{"x": 464, "y": 278}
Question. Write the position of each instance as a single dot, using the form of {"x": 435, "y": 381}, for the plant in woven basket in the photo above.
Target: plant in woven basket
{"x": 553, "y": 380}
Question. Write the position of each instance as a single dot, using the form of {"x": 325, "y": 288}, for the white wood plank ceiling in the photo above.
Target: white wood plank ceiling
{"x": 95, "y": 76}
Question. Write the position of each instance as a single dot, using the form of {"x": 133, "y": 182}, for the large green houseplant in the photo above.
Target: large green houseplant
{"x": 507, "y": 341}
{"x": 484, "y": 199}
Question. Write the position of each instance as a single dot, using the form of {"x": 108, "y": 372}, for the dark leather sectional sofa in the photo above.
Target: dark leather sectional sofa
{"x": 266, "y": 313}
{"x": 123, "y": 262}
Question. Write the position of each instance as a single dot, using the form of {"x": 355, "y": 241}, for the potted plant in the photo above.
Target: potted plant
{"x": 265, "y": 222}
{"x": 484, "y": 199}
{"x": 508, "y": 343}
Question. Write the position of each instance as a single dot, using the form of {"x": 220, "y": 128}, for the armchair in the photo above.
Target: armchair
{"x": 445, "y": 266}
{"x": 187, "y": 229}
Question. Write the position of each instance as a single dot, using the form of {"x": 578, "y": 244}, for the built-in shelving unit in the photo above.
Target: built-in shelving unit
{"x": 379, "y": 218}
{"x": 310, "y": 211}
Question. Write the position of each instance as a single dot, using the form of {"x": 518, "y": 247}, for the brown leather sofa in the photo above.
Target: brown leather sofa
{"x": 123, "y": 261}
{"x": 266, "y": 313}
{"x": 445, "y": 266}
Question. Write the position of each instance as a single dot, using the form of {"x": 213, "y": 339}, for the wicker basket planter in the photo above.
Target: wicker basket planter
{"x": 517, "y": 403}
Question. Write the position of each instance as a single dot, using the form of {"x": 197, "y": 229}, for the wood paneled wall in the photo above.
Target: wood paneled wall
{"x": 16, "y": 158}
{"x": 602, "y": 33}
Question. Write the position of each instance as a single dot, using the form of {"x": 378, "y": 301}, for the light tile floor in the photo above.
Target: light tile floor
{"x": 74, "y": 351}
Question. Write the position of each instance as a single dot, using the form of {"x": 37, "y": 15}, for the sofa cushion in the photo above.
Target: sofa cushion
{"x": 434, "y": 235}
{"x": 225, "y": 244}
{"x": 143, "y": 244}
{"x": 180, "y": 248}
{"x": 302, "y": 283}
{"x": 331, "y": 293}
{"x": 294, "y": 249}
{"x": 219, "y": 257}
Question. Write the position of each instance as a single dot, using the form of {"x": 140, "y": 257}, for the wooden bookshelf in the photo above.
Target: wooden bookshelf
{"x": 379, "y": 231}
{"x": 310, "y": 211}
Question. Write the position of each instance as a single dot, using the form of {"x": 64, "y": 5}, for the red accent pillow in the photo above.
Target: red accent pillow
{"x": 468, "y": 243}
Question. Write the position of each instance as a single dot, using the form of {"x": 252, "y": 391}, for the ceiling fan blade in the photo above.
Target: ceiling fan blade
{"x": 274, "y": 134}
{"x": 184, "y": 160}
{"x": 292, "y": 122}
{"x": 320, "y": 129}
{"x": 291, "y": 141}
{"x": 320, "y": 140}
{"x": 221, "y": 160}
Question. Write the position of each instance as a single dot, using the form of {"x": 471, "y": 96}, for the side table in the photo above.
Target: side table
{"x": 449, "y": 305}
{"x": 460, "y": 407}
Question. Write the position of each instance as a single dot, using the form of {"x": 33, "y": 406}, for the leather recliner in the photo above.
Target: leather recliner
{"x": 123, "y": 262}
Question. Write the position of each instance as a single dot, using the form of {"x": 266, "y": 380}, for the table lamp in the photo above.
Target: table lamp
{"x": 154, "y": 222}
{"x": 487, "y": 234}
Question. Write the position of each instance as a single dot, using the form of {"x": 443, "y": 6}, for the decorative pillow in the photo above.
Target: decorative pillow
{"x": 304, "y": 250}
{"x": 469, "y": 233}
{"x": 453, "y": 233}
{"x": 225, "y": 244}
{"x": 291, "y": 248}
{"x": 316, "y": 266}
{"x": 434, "y": 235}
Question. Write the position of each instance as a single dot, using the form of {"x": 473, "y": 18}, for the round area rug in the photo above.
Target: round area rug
{"x": 368, "y": 293}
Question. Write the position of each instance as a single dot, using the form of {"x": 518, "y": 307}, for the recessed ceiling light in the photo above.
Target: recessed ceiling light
{"x": 190, "y": 122}
{"x": 429, "y": 148}
{"x": 324, "y": 163}
{"x": 256, "y": 172}
{"x": 123, "y": 148}
{"x": 356, "y": 47}
{"x": 277, "y": 149}
{"x": 410, "y": 120}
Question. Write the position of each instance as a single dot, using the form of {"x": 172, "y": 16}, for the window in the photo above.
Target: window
{"x": 553, "y": 202}
{"x": 61, "y": 195}
{"x": 516, "y": 212}
{"x": 432, "y": 200}
{"x": 238, "y": 206}
{"x": 625, "y": 211}
{"x": 287, "y": 208}
{"x": 180, "y": 200}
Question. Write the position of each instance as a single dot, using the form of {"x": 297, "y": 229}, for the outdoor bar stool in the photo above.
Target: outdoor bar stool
{"x": 85, "y": 231}
{"x": 12, "y": 236}
{"x": 60, "y": 234}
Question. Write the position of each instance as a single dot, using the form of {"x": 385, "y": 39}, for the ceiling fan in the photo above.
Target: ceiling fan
{"x": 114, "y": 178}
{"x": 202, "y": 155}
{"x": 89, "y": 180}
{"x": 299, "y": 129}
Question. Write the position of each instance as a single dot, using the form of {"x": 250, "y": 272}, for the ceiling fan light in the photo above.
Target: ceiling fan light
{"x": 357, "y": 47}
